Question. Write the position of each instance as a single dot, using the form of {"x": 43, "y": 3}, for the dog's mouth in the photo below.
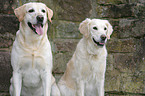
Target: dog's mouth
{"x": 102, "y": 43}
{"x": 37, "y": 28}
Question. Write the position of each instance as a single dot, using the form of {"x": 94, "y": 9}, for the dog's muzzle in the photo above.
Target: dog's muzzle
{"x": 102, "y": 41}
{"x": 37, "y": 28}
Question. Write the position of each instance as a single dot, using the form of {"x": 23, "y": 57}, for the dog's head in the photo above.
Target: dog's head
{"x": 97, "y": 30}
{"x": 35, "y": 15}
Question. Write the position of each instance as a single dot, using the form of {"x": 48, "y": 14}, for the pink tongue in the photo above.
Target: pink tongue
{"x": 39, "y": 29}
{"x": 101, "y": 43}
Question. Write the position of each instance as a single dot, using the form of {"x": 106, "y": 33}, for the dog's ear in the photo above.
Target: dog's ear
{"x": 84, "y": 27}
{"x": 20, "y": 12}
{"x": 50, "y": 13}
{"x": 109, "y": 29}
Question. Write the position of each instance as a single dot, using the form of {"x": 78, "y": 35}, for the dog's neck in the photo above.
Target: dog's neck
{"x": 30, "y": 39}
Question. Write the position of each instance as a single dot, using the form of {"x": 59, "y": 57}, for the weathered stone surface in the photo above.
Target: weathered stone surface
{"x": 60, "y": 61}
{"x": 65, "y": 45}
{"x": 121, "y": 45}
{"x": 119, "y": 1}
{"x": 8, "y": 29}
{"x": 124, "y": 74}
{"x": 21, "y": 2}
{"x": 115, "y": 11}
{"x": 111, "y": 1}
{"x": 74, "y": 10}
{"x": 8, "y": 23}
{"x": 64, "y": 49}
{"x": 125, "y": 71}
{"x": 49, "y": 3}
{"x": 5, "y": 42}
{"x": 4, "y": 93}
{"x": 6, "y": 6}
{"x": 65, "y": 29}
{"x": 5, "y": 71}
{"x": 139, "y": 10}
{"x": 139, "y": 54}
{"x": 125, "y": 28}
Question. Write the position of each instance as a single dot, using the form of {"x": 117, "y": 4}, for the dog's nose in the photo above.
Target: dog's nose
{"x": 40, "y": 18}
{"x": 103, "y": 37}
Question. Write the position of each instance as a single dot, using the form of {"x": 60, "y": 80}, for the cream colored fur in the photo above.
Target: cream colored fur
{"x": 85, "y": 72}
{"x": 31, "y": 56}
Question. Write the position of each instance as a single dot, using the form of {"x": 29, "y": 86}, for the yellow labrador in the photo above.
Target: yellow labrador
{"x": 31, "y": 56}
{"x": 85, "y": 72}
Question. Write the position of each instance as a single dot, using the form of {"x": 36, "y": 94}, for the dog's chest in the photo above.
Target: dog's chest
{"x": 93, "y": 67}
{"x": 94, "y": 74}
{"x": 30, "y": 67}
{"x": 32, "y": 61}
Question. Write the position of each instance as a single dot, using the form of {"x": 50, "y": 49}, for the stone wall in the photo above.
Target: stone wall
{"x": 126, "y": 48}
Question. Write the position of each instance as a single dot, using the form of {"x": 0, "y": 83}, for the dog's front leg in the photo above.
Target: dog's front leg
{"x": 16, "y": 82}
{"x": 46, "y": 81}
{"x": 80, "y": 88}
{"x": 101, "y": 88}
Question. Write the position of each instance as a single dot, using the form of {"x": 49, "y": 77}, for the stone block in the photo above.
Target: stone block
{"x": 139, "y": 10}
{"x": 124, "y": 62}
{"x": 6, "y": 6}
{"x": 141, "y": 46}
{"x": 65, "y": 45}
{"x": 126, "y": 28}
{"x": 5, "y": 71}
{"x": 121, "y": 45}
{"x": 5, "y": 41}
{"x": 115, "y": 11}
{"x": 49, "y": 3}
{"x": 111, "y": 1}
{"x": 4, "y": 93}
{"x": 21, "y": 2}
{"x": 60, "y": 61}
{"x": 119, "y": 1}
{"x": 64, "y": 50}
{"x": 128, "y": 10}
{"x": 8, "y": 23}
{"x": 8, "y": 29}
{"x": 72, "y": 10}
{"x": 124, "y": 73}
{"x": 66, "y": 30}
{"x": 110, "y": 62}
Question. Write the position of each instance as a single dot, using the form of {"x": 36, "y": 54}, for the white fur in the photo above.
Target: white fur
{"x": 31, "y": 56}
{"x": 85, "y": 72}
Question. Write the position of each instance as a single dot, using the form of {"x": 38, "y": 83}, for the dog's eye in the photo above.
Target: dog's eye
{"x": 105, "y": 28}
{"x": 95, "y": 28}
{"x": 43, "y": 10}
{"x": 31, "y": 10}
